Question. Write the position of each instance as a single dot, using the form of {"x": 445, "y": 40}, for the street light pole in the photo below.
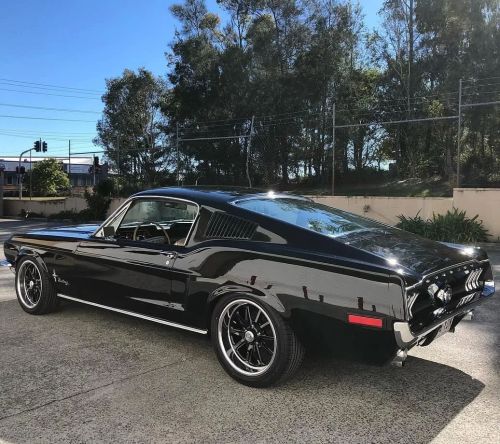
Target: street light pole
{"x": 249, "y": 146}
{"x": 459, "y": 134}
{"x": 19, "y": 176}
{"x": 333, "y": 150}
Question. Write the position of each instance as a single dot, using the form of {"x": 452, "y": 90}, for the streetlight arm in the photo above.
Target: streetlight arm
{"x": 19, "y": 173}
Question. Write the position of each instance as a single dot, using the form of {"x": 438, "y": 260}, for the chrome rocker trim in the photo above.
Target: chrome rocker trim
{"x": 406, "y": 339}
{"x": 137, "y": 315}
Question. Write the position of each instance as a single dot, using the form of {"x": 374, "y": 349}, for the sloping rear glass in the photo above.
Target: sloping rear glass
{"x": 310, "y": 215}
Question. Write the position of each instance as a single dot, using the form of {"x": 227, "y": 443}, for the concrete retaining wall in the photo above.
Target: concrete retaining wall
{"x": 14, "y": 207}
{"x": 482, "y": 201}
{"x": 387, "y": 209}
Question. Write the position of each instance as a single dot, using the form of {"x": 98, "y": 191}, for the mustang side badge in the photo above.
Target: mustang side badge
{"x": 57, "y": 279}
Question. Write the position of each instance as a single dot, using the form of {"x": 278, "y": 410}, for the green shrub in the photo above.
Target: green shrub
{"x": 98, "y": 206}
{"x": 415, "y": 224}
{"x": 454, "y": 226}
{"x": 66, "y": 214}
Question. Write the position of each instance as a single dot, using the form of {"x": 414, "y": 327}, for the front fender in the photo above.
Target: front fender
{"x": 26, "y": 251}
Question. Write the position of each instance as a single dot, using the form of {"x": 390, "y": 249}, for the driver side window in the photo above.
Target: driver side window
{"x": 158, "y": 221}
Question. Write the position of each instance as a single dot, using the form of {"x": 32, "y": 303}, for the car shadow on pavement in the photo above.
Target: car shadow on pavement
{"x": 385, "y": 403}
{"x": 103, "y": 376}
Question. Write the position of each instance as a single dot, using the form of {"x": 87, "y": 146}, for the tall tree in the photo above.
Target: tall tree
{"x": 131, "y": 129}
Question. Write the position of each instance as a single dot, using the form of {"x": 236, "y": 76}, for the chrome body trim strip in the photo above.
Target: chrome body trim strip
{"x": 137, "y": 315}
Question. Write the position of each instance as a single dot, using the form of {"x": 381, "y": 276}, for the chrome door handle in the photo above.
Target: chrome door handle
{"x": 169, "y": 256}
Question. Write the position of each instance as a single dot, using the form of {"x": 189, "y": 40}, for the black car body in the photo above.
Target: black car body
{"x": 301, "y": 264}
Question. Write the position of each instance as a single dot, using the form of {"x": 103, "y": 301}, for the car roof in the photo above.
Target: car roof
{"x": 204, "y": 194}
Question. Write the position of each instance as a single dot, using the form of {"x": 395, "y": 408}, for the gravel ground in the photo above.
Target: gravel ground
{"x": 84, "y": 374}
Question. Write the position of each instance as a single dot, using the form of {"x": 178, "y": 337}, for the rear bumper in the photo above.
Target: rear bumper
{"x": 406, "y": 339}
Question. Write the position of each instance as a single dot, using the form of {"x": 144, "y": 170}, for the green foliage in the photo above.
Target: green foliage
{"x": 132, "y": 127}
{"x": 48, "y": 178}
{"x": 98, "y": 204}
{"x": 454, "y": 226}
{"x": 293, "y": 60}
{"x": 65, "y": 215}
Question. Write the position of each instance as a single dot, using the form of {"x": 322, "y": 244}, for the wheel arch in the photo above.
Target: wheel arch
{"x": 32, "y": 253}
{"x": 268, "y": 299}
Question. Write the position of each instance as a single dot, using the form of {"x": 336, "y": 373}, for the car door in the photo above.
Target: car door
{"x": 134, "y": 272}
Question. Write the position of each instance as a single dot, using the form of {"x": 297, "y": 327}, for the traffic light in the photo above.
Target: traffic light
{"x": 96, "y": 161}
{"x": 44, "y": 147}
{"x": 36, "y": 146}
{"x": 22, "y": 170}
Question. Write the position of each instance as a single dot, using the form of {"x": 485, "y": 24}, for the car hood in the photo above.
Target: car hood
{"x": 78, "y": 231}
{"x": 403, "y": 249}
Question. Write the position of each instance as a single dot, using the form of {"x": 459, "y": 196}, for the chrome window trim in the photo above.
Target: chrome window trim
{"x": 136, "y": 315}
{"x": 236, "y": 201}
{"x": 131, "y": 199}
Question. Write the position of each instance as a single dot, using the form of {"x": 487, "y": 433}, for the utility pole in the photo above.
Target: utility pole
{"x": 333, "y": 150}
{"x": 2, "y": 168}
{"x": 177, "y": 149}
{"x": 31, "y": 177}
{"x": 69, "y": 164}
{"x": 249, "y": 146}
{"x": 459, "y": 133}
{"x": 19, "y": 175}
{"x": 118, "y": 156}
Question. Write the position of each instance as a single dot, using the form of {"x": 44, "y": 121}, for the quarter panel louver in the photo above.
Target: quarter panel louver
{"x": 225, "y": 226}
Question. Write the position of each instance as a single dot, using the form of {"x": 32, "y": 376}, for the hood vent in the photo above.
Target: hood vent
{"x": 225, "y": 226}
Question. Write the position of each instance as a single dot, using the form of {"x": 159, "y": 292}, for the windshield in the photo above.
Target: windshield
{"x": 311, "y": 215}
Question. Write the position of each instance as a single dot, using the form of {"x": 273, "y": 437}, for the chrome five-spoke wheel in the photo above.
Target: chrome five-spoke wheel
{"x": 29, "y": 283}
{"x": 35, "y": 290}
{"x": 247, "y": 337}
{"x": 254, "y": 343}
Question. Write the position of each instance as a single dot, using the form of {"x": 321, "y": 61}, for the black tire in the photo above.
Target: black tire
{"x": 267, "y": 369}
{"x": 34, "y": 288}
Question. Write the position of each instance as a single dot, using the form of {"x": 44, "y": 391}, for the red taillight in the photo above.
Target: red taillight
{"x": 364, "y": 320}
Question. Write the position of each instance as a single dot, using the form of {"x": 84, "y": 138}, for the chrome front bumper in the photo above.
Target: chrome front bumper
{"x": 406, "y": 339}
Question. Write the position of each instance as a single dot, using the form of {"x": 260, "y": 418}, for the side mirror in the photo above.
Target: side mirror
{"x": 108, "y": 231}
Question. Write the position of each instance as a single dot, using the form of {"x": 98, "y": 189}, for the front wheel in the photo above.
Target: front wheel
{"x": 35, "y": 291}
{"x": 253, "y": 342}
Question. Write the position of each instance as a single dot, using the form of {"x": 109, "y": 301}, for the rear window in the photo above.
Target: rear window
{"x": 310, "y": 215}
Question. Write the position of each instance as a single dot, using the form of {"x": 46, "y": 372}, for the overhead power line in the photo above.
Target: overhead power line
{"x": 44, "y": 88}
{"x": 69, "y": 110}
{"x": 49, "y": 94}
{"x": 65, "y": 133}
{"x": 45, "y": 118}
{"x": 21, "y": 82}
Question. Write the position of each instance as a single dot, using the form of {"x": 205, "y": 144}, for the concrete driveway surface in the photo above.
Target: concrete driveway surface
{"x": 89, "y": 375}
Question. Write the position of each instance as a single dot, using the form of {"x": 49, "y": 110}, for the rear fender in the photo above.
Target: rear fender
{"x": 244, "y": 291}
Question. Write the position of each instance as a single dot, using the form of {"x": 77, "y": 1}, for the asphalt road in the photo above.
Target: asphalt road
{"x": 88, "y": 375}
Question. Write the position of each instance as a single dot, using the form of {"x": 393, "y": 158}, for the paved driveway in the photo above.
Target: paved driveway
{"x": 84, "y": 374}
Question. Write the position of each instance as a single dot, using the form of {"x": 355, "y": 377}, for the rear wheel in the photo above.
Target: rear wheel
{"x": 253, "y": 342}
{"x": 35, "y": 291}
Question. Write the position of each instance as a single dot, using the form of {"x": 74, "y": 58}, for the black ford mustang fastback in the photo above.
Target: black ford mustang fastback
{"x": 259, "y": 272}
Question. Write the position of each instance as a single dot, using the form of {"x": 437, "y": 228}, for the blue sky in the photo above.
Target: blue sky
{"x": 78, "y": 44}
